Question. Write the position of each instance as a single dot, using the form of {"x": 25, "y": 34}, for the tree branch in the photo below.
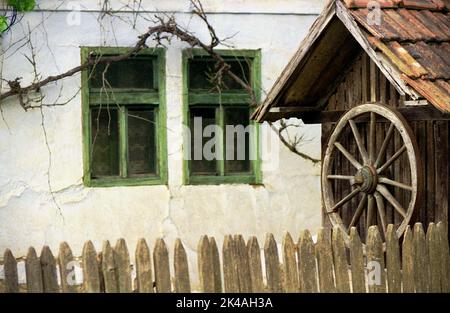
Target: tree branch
{"x": 165, "y": 30}
{"x": 292, "y": 146}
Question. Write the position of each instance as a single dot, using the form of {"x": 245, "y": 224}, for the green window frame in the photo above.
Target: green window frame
{"x": 123, "y": 100}
{"x": 226, "y": 99}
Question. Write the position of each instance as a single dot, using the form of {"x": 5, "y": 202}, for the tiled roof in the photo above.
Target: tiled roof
{"x": 409, "y": 40}
{"x": 415, "y": 36}
{"x": 410, "y": 4}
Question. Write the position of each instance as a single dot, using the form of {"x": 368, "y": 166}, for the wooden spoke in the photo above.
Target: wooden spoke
{"x": 347, "y": 154}
{"x": 345, "y": 200}
{"x": 387, "y": 181}
{"x": 384, "y": 146}
{"x": 359, "y": 143}
{"x": 341, "y": 177}
{"x": 370, "y": 210}
{"x": 372, "y": 137}
{"x": 389, "y": 197}
{"x": 358, "y": 211}
{"x": 381, "y": 211}
{"x": 392, "y": 159}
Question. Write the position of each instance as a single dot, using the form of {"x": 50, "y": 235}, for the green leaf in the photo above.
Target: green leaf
{"x": 3, "y": 24}
{"x": 22, "y": 5}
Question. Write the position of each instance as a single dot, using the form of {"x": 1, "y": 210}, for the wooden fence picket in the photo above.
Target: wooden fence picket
{"x": 434, "y": 257}
{"x": 216, "y": 265}
{"x": 181, "y": 282}
{"x": 10, "y": 271}
{"x": 48, "y": 267}
{"x": 282, "y": 281}
{"x": 307, "y": 267}
{"x": 243, "y": 266}
{"x": 376, "y": 278}
{"x": 357, "y": 262}
{"x": 272, "y": 262}
{"x": 254, "y": 258}
{"x": 340, "y": 261}
{"x": 290, "y": 265}
{"x": 162, "y": 268}
{"x": 394, "y": 278}
{"x": 100, "y": 271}
{"x": 91, "y": 278}
{"x": 230, "y": 274}
{"x": 408, "y": 261}
{"x": 205, "y": 265}
{"x": 421, "y": 261}
{"x": 33, "y": 272}
{"x": 144, "y": 277}
{"x": 123, "y": 266}
{"x": 109, "y": 269}
{"x": 445, "y": 256}
{"x": 66, "y": 269}
{"x": 324, "y": 257}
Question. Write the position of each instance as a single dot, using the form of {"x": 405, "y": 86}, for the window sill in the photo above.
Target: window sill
{"x": 125, "y": 182}
{"x": 223, "y": 180}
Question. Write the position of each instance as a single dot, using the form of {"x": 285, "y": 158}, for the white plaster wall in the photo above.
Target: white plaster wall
{"x": 289, "y": 200}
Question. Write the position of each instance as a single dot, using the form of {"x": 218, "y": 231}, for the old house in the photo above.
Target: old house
{"x": 375, "y": 74}
{"x": 135, "y": 182}
{"x": 128, "y": 141}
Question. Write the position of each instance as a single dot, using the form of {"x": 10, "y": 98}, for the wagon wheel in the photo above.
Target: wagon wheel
{"x": 371, "y": 181}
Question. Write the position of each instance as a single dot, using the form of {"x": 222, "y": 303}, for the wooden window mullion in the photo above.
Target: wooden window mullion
{"x": 158, "y": 131}
{"x": 220, "y": 140}
{"x": 123, "y": 138}
{"x": 155, "y": 74}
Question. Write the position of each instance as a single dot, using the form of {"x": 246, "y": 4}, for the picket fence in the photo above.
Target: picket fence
{"x": 419, "y": 263}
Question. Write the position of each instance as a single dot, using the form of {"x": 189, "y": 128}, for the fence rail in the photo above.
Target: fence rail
{"x": 418, "y": 263}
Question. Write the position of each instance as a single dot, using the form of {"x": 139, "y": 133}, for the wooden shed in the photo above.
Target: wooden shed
{"x": 376, "y": 75}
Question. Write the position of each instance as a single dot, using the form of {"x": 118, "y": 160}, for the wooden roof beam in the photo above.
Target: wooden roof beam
{"x": 297, "y": 60}
{"x": 311, "y": 115}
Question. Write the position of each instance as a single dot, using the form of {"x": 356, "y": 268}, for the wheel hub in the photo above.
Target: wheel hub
{"x": 367, "y": 179}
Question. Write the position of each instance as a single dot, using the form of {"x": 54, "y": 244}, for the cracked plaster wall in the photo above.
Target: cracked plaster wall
{"x": 289, "y": 200}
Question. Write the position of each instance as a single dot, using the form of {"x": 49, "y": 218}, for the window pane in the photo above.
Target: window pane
{"x": 136, "y": 72}
{"x": 105, "y": 142}
{"x": 198, "y": 164}
{"x": 201, "y": 70}
{"x": 237, "y": 140}
{"x": 141, "y": 142}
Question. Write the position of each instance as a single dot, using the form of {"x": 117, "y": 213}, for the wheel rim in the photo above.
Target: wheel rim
{"x": 370, "y": 181}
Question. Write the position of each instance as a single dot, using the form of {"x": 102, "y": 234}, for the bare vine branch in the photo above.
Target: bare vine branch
{"x": 292, "y": 145}
{"x": 165, "y": 29}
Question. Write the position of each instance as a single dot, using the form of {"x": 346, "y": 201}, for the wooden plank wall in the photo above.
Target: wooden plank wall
{"x": 420, "y": 262}
{"x": 365, "y": 83}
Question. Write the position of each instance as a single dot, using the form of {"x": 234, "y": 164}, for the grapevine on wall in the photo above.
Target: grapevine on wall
{"x": 165, "y": 28}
